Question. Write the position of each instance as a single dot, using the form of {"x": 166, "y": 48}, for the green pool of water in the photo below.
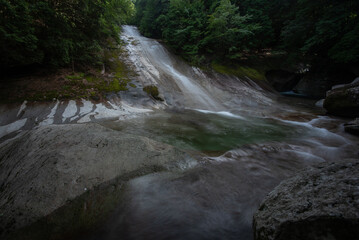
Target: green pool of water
{"x": 192, "y": 130}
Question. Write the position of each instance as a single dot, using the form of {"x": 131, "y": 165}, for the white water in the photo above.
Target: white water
{"x": 156, "y": 66}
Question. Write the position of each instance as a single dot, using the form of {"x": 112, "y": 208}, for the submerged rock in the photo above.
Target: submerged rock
{"x": 343, "y": 101}
{"x": 42, "y": 169}
{"x": 320, "y": 203}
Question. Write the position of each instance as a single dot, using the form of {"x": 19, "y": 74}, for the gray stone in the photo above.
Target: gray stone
{"x": 343, "y": 101}
{"x": 319, "y": 203}
{"x": 42, "y": 169}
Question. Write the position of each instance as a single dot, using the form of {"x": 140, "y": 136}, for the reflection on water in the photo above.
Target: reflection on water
{"x": 194, "y": 130}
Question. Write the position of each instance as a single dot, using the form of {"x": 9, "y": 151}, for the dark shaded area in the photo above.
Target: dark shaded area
{"x": 325, "y": 227}
{"x": 343, "y": 101}
{"x": 282, "y": 80}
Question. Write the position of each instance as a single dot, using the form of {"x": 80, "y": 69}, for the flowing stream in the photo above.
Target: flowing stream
{"x": 249, "y": 139}
{"x": 243, "y": 140}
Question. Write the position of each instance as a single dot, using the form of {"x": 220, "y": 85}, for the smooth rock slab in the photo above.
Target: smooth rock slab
{"x": 42, "y": 169}
{"x": 319, "y": 203}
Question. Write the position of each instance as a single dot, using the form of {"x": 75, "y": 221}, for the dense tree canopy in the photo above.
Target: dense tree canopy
{"x": 195, "y": 28}
{"x": 58, "y": 32}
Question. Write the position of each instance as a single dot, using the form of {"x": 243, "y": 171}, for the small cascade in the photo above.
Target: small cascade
{"x": 156, "y": 66}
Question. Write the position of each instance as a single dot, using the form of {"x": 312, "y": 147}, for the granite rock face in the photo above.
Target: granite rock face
{"x": 319, "y": 203}
{"x": 42, "y": 169}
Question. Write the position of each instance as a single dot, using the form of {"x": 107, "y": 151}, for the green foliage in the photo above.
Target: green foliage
{"x": 229, "y": 30}
{"x": 326, "y": 28}
{"x": 58, "y": 32}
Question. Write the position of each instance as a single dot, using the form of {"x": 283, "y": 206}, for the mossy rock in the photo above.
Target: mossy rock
{"x": 153, "y": 92}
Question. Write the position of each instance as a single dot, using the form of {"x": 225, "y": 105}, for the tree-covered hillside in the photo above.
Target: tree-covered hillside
{"x": 58, "y": 32}
{"x": 230, "y": 30}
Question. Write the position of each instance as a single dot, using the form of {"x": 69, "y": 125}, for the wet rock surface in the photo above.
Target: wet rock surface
{"x": 343, "y": 101}
{"x": 352, "y": 127}
{"x": 44, "y": 168}
{"x": 319, "y": 203}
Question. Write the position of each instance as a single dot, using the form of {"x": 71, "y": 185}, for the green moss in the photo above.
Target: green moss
{"x": 76, "y": 76}
{"x": 114, "y": 85}
{"x": 66, "y": 87}
{"x": 153, "y": 92}
{"x": 239, "y": 71}
{"x": 132, "y": 85}
{"x": 91, "y": 79}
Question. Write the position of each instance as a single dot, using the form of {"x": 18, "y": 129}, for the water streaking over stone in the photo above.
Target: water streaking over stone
{"x": 156, "y": 66}
{"x": 222, "y": 113}
{"x": 186, "y": 86}
{"x": 31, "y": 115}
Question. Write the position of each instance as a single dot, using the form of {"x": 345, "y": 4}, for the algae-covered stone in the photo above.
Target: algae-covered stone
{"x": 153, "y": 92}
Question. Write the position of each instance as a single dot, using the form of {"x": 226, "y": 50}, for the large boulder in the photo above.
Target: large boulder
{"x": 343, "y": 101}
{"x": 43, "y": 169}
{"x": 319, "y": 203}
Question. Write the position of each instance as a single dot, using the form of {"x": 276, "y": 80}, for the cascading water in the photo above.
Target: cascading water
{"x": 181, "y": 84}
{"x": 156, "y": 66}
{"x": 246, "y": 156}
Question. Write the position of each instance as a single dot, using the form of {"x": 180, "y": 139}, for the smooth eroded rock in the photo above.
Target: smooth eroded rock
{"x": 319, "y": 203}
{"x": 42, "y": 169}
